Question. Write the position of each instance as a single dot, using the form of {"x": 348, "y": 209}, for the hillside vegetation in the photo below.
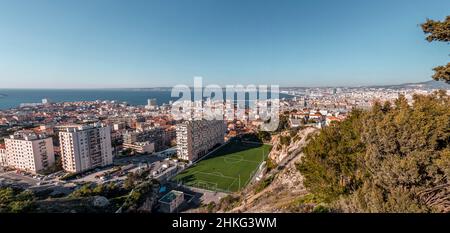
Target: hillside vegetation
{"x": 392, "y": 158}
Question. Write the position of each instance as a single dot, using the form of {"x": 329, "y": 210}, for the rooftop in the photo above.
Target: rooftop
{"x": 78, "y": 127}
{"x": 27, "y": 135}
{"x": 170, "y": 196}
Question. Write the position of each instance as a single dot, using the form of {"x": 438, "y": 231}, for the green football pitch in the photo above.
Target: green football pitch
{"x": 228, "y": 169}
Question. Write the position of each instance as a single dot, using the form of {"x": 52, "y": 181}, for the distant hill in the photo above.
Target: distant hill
{"x": 432, "y": 84}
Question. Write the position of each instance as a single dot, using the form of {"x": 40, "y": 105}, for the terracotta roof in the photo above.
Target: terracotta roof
{"x": 332, "y": 118}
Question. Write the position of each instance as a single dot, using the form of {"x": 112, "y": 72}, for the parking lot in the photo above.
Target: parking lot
{"x": 19, "y": 179}
{"x": 157, "y": 163}
{"x": 27, "y": 180}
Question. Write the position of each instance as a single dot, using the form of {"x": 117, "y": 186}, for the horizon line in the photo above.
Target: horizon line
{"x": 168, "y": 87}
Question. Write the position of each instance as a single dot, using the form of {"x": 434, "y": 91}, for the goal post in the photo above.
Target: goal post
{"x": 206, "y": 185}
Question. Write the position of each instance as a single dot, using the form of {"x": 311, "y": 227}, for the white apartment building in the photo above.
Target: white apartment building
{"x": 28, "y": 151}
{"x": 85, "y": 147}
{"x": 196, "y": 138}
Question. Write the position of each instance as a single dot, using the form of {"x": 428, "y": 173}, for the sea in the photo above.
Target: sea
{"x": 12, "y": 98}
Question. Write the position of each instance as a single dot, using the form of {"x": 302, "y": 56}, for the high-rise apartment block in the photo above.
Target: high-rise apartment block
{"x": 85, "y": 147}
{"x": 151, "y": 104}
{"x": 28, "y": 151}
{"x": 196, "y": 138}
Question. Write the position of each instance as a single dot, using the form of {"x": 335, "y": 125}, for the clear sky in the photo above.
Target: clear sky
{"x": 92, "y": 43}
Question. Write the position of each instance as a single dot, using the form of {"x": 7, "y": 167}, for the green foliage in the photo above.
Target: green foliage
{"x": 321, "y": 209}
{"x": 139, "y": 194}
{"x": 132, "y": 199}
{"x": 270, "y": 164}
{"x": 331, "y": 159}
{"x": 283, "y": 123}
{"x": 264, "y": 184}
{"x": 134, "y": 178}
{"x": 210, "y": 207}
{"x": 130, "y": 181}
{"x": 442, "y": 73}
{"x": 21, "y": 206}
{"x": 15, "y": 201}
{"x": 127, "y": 152}
{"x": 6, "y": 195}
{"x": 308, "y": 199}
{"x": 308, "y": 203}
{"x": 83, "y": 191}
{"x": 251, "y": 137}
{"x": 107, "y": 190}
{"x": 261, "y": 136}
{"x": 285, "y": 140}
{"x": 264, "y": 136}
{"x": 439, "y": 31}
{"x": 117, "y": 202}
{"x": 229, "y": 202}
{"x": 383, "y": 159}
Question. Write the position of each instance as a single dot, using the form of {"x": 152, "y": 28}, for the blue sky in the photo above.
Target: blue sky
{"x": 91, "y": 44}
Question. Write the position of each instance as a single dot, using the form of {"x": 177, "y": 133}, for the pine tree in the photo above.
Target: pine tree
{"x": 438, "y": 31}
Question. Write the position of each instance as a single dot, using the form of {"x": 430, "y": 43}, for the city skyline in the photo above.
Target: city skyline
{"x": 106, "y": 44}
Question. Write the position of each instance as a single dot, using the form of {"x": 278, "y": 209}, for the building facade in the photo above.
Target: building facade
{"x": 141, "y": 147}
{"x": 29, "y": 151}
{"x": 155, "y": 135}
{"x": 3, "y": 155}
{"x": 151, "y": 104}
{"x": 85, "y": 147}
{"x": 170, "y": 202}
{"x": 196, "y": 138}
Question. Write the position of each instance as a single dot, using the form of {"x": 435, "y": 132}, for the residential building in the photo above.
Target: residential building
{"x": 85, "y": 147}
{"x": 155, "y": 135}
{"x": 141, "y": 147}
{"x": 3, "y": 155}
{"x": 28, "y": 151}
{"x": 151, "y": 104}
{"x": 197, "y": 137}
{"x": 170, "y": 202}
